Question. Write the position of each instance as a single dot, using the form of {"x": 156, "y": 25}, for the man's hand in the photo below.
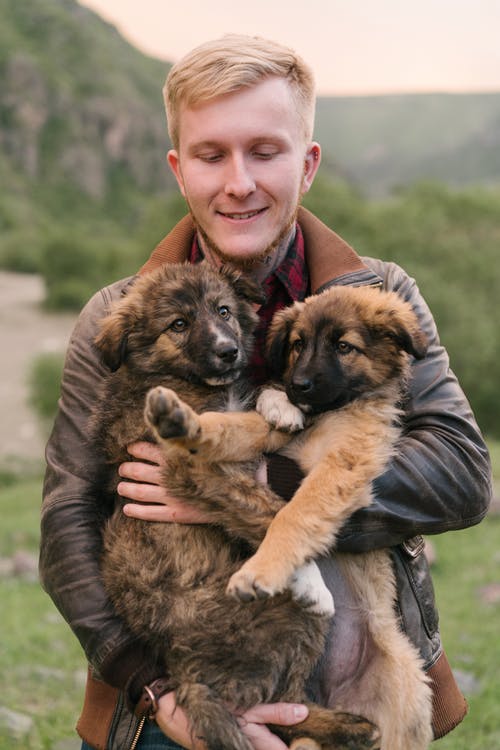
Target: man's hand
{"x": 152, "y": 501}
{"x": 253, "y": 723}
{"x": 173, "y": 722}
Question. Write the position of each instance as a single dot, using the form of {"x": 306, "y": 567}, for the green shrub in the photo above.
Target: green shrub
{"x": 44, "y": 382}
{"x": 73, "y": 269}
{"x": 20, "y": 252}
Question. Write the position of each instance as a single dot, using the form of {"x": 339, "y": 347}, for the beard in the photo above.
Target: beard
{"x": 247, "y": 264}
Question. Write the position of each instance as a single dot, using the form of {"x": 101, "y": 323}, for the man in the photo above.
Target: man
{"x": 240, "y": 113}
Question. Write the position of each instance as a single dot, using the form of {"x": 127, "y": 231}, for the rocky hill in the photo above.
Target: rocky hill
{"x": 78, "y": 103}
{"x": 83, "y": 136}
{"x": 82, "y": 129}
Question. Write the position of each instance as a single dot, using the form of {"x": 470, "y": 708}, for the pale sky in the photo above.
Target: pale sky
{"x": 354, "y": 46}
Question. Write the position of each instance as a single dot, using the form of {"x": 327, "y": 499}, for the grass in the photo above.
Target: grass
{"x": 42, "y": 668}
{"x": 41, "y": 664}
{"x": 466, "y": 562}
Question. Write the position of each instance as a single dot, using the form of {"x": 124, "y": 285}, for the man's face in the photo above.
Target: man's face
{"x": 243, "y": 165}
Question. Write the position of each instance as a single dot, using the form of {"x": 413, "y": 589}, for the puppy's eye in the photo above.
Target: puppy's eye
{"x": 178, "y": 325}
{"x": 343, "y": 347}
{"x": 297, "y": 346}
{"x": 224, "y": 312}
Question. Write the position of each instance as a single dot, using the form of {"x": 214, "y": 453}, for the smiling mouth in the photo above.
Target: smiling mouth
{"x": 242, "y": 216}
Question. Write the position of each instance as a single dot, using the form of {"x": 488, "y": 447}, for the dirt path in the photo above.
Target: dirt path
{"x": 25, "y": 331}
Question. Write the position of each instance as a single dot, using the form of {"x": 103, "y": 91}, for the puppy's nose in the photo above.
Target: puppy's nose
{"x": 227, "y": 353}
{"x": 302, "y": 385}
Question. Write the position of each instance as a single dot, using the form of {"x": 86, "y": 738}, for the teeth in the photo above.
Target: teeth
{"x": 242, "y": 216}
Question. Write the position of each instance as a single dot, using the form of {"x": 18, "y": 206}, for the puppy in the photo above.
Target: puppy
{"x": 190, "y": 328}
{"x": 343, "y": 357}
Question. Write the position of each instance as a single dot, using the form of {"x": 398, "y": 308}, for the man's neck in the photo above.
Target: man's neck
{"x": 263, "y": 268}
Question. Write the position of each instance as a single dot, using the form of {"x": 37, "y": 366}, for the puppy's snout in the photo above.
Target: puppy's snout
{"x": 302, "y": 384}
{"x": 227, "y": 352}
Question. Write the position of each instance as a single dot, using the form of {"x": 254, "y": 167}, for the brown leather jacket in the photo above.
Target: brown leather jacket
{"x": 439, "y": 481}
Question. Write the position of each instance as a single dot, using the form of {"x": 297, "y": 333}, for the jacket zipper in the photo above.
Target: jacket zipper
{"x": 138, "y": 733}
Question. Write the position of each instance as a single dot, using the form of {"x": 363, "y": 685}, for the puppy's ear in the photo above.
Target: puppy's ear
{"x": 112, "y": 341}
{"x": 278, "y": 338}
{"x": 244, "y": 286}
{"x": 403, "y": 327}
{"x": 414, "y": 342}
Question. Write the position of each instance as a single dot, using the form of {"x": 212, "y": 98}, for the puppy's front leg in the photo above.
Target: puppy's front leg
{"x": 214, "y": 436}
{"x": 302, "y": 530}
{"x": 267, "y": 573}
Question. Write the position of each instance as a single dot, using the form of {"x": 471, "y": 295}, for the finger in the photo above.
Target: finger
{"x": 177, "y": 512}
{"x": 174, "y": 723}
{"x": 158, "y": 513}
{"x": 146, "y": 451}
{"x": 261, "y": 737}
{"x": 276, "y": 713}
{"x": 143, "y": 493}
{"x": 140, "y": 472}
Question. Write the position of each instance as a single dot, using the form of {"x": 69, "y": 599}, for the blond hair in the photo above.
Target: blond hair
{"x": 231, "y": 63}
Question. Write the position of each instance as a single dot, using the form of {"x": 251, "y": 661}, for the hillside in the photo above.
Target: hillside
{"x": 83, "y": 136}
{"x": 383, "y": 142}
{"x": 82, "y": 130}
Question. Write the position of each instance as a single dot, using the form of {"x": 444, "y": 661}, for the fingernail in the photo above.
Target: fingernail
{"x": 300, "y": 712}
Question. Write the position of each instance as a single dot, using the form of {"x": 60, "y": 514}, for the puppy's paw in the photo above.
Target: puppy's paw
{"x": 330, "y": 728}
{"x": 274, "y": 406}
{"x": 309, "y": 589}
{"x": 168, "y": 416}
{"x": 248, "y": 583}
{"x": 356, "y": 732}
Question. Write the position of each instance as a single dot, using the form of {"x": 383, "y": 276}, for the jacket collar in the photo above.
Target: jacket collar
{"x": 329, "y": 258}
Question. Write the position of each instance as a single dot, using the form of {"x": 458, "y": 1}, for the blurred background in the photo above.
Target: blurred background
{"x": 408, "y": 118}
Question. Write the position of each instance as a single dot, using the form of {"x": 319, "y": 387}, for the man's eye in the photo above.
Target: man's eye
{"x": 343, "y": 347}
{"x": 224, "y": 312}
{"x": 210, "y": 158}
{"x": 178, "y": 325}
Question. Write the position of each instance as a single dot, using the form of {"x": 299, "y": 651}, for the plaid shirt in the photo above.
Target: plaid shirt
{"x": 288, "y": 283}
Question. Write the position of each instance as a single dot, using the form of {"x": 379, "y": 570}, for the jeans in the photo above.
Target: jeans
{"x": 152, "y": 738}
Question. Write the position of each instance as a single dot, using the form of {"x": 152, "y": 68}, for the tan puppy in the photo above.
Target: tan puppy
{"x": 343, "y": 357}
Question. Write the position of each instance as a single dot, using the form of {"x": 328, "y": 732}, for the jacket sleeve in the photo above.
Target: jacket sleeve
{"x": 71, "y": 520}
{"x": 440, "y": 478}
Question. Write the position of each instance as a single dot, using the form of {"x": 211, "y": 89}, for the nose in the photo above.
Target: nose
{"x": 239, "y": 181}
{"x": 302, "y": 384}
{"x": 227, "y": 352}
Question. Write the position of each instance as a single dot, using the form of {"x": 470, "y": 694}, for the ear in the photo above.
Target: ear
{"x": 311, "y": 166}
{"x": 173, "y": 162}
{"x": 112, "y": 341}
{"x": 278, "y": 338}
{"x": 405, "y": 330}
{"x": 244, "y": 286}
{"x": 412, "y": 341}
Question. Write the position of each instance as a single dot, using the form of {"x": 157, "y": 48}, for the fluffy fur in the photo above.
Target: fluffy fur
{"x": 343, "y": 358}
{"x": 189, "y": 328}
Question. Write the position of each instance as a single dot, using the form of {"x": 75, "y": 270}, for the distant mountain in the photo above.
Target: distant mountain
{"x": 83, "y": 133}
{"x": 384, "y": 142}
